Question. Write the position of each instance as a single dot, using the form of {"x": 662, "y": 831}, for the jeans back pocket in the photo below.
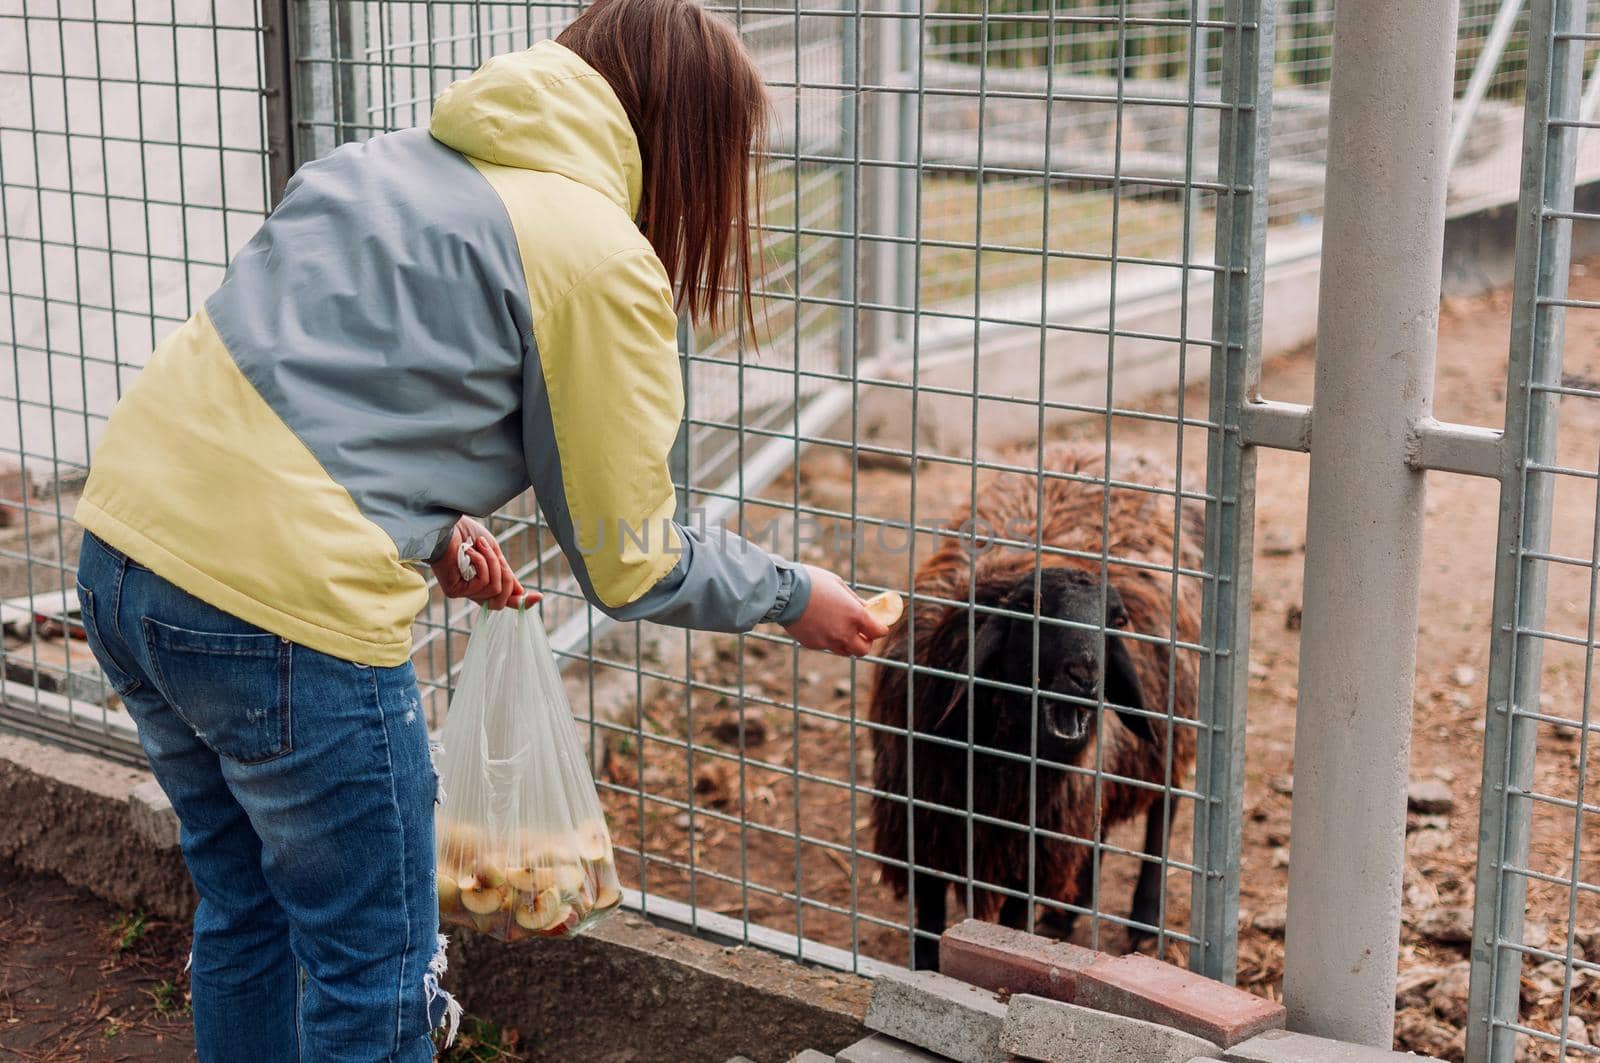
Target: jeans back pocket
{"x": 232, "y": 689}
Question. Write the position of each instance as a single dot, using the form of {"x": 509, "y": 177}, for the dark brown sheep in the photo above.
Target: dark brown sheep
{"x": 1138, "y": 675}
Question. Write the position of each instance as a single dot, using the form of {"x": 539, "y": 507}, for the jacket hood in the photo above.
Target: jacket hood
{"x": 544, "y": 109}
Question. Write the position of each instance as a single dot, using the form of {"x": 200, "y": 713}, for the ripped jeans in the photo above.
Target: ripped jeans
{"x": 305, "y": 792}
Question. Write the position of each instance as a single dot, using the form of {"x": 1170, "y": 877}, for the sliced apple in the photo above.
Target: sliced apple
{"x": 488, "y": 874}
{"x": 531, "y": 879}
{"x": 594, "y": 842}
{"x": 885, "y": 608}
{"x": 546, "y": 911}
{"x": 449, "y": 894}
{"x": 479, "y": 898}
{"x": 606, "y": 896}
{"x": 569, "y": 878}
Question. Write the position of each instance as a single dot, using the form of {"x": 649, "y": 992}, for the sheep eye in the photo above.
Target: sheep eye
{"x": 1119, "y": 619}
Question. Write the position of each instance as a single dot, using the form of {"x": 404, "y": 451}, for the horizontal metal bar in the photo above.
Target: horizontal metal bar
{"x": 72, "y": 722}
{"x": 1439, "y": 446}
{"x": 1434, "y": 446}
{"x": 709, "y": 925}
{"x": 1277, "y": 425}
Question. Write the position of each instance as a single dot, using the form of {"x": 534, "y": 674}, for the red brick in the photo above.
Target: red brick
{"x": 999, "y": 958}
{"x": 1141, "y": 987}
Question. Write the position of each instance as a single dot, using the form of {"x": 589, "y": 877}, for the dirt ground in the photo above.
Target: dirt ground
{"x": 785, "y": 772}
{"x": 764, "y": 775}
{"x": 81, "y": 982}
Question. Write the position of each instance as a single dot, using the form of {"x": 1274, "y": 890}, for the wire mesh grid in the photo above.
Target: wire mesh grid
{"x": 1536, "y": 983}
{"x": 857, "y": 429}
{"x": 971, "y": 209}
{"x": 131, "y": 168}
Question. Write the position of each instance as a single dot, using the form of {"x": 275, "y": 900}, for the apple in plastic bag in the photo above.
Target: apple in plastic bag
{"x": 484, "y": 891}
{"x": 607, "y": 896}
{"x": 545, "y": 911}
{"x": 449, "y": 893}
{"x": 531, "y": 879}
{"x": 594, "y": 843}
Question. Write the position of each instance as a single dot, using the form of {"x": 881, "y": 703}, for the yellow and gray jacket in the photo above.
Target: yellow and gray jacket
{"x": 427, "y": 324}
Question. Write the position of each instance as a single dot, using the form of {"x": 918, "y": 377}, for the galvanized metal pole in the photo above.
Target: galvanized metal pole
{"x": 1516, "y": 670}
{"x": 881, "y": 63}
{"x": 1242, "y": 160}
{"x": 1383, "y": 233}
{"x": 1487, "y": 63}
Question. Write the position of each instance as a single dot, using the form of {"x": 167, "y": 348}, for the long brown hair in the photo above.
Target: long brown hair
{"x": 698, "y": 106}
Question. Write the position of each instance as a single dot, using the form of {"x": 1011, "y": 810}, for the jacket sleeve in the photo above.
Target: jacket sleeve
{"x": 602, "y": 401}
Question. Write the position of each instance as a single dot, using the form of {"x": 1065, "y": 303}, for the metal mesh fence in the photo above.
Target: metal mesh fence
{"x": 1000, "y": 236}
{"x": 132, "y": 155}
{"x": 1535, "y": 985}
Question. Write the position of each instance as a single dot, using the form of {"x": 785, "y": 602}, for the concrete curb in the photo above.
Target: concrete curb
{"x": 631, "y": 990}
{"x": 72, "y": 816}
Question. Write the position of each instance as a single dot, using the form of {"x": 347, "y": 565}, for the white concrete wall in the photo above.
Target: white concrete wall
{"x": 117, "y": 195}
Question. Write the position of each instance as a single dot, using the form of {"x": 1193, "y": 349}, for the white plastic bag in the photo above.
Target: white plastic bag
{"x": 521, "y": 841}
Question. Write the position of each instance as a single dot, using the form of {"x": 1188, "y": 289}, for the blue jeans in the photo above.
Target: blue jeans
{"x": 305, "y": 792}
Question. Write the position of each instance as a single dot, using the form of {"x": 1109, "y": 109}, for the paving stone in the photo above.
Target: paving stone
{"x": 1145, "y": 988}
{"x": 956, "y": 1020}
{"x": 1000, "y": 958}
{"x": 881, "y": 1049}
{"x": 152, "y": 815}
{"x": 1057, "y": 1032}
{"x": 1281, "y": 1046}
{"x": 811, "y": 1055}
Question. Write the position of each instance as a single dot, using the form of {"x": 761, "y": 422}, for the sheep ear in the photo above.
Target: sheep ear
{"x": 988, "y": 641}
{"x": 1122, "y": 688}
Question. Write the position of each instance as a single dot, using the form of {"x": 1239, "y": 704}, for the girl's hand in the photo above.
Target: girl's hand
{"x": 494, "y": 584}
{"x": 835, "y": 619}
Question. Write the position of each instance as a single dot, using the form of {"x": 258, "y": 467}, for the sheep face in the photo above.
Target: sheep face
{"x": 1068, "y": 668}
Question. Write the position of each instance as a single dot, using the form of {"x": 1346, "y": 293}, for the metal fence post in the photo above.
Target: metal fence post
{"x": 313, "y": 67}
{"x": 851, "y": 143}
{"x": 879, "y": 114}
{"x": 1544, "y": 241}
{"x": 277, "y": 90}
{"x": 1378, "y": 321}
{"x": 1243, "y": 140}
